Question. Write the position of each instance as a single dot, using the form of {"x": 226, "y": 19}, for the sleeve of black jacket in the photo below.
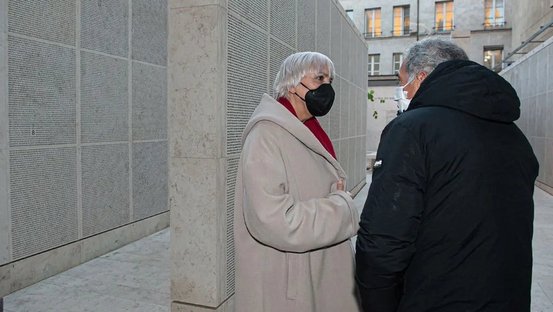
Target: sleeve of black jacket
{"x": 390, "y": 219}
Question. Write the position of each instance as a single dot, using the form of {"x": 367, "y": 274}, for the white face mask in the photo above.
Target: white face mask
{"x": 401, "y": 97}
{"x": 400, "y": 94}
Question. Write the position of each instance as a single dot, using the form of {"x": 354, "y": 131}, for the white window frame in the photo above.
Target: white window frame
{"x": 396, "y": 64}
{"x": 493, "y": 20}
{"x": 496, "y": 65}
{"x": 372, "y": 63}
{"x": 402, "y": 26}
{"x": 374, "y": 32}
{"x": 444, "y": 14}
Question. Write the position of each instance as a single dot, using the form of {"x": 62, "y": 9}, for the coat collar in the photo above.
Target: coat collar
{"x": 271, "y": 110}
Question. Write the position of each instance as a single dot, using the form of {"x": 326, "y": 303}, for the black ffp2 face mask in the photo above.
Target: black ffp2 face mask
{"x": 319, "y": 101}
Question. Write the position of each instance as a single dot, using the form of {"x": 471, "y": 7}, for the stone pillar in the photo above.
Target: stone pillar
{"x": 197, "y": 167}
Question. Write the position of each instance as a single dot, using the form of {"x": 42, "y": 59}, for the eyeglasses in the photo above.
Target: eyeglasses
{"x": 407, "y": 83}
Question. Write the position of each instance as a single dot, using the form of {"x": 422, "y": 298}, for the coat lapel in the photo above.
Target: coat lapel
{"x": 271, "y": 110}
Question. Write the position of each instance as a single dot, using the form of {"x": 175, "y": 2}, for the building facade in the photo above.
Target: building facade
{"x": 481, "y": 27}
{"x": 530, "y": 17}
{"x": 511, "y": 37}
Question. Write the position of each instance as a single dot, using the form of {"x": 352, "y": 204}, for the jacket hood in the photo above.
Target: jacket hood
{"x": 471, "y": 88}
{"x": 271, "y": 110}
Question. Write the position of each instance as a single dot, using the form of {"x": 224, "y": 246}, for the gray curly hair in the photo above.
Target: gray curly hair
{"x": 427, "y": 54}
{"x": 296, "y": 66}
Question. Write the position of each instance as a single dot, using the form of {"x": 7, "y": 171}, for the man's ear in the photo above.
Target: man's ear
{"x": 421, "y": 76}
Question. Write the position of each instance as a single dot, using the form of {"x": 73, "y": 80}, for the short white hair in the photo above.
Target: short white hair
{"x": 296, "y": 66}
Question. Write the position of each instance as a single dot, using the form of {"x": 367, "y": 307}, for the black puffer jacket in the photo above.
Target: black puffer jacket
{"x": 447, "y": 225}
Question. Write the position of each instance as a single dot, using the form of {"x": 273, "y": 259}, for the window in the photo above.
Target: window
{"x": 374, "y": 27}
{"x": 444, "y": 16}
{"x": 397, "y": 60}
{"x": 494, "y": 11}
{"x": 401, "y": 20}
{"x": 374, "y": 64}
{"x": 350, "y": 14}
{"x": 493, "y": 57}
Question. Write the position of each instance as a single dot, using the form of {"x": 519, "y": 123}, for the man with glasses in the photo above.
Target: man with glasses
{"x": 447, "y": 225}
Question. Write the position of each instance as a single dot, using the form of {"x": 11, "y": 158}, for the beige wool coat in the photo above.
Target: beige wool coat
{"x": 292, "y": 227}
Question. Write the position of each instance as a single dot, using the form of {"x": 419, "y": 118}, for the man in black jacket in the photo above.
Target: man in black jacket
{"x": 448, "y": 222}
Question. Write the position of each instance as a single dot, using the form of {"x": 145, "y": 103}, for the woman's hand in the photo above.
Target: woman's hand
{"x": 341, "y": 186}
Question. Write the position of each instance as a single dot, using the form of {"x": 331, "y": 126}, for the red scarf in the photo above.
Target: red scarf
{"x": 313, "y": 125}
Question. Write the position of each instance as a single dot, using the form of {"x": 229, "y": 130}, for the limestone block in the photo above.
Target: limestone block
{"x": 105, "y": 242}
{"x": 17, "y": 275}
{"x": 33, "y": 269}
{"x": 196, "y": 81}
{"x": 100, "y": 244}
{"x": 5, "y": 278}
{"x": 173, "y": 4}
{"x": 150, "y": 225}
{"x": 195, "y": 192}
{"x": 227, "y": 306}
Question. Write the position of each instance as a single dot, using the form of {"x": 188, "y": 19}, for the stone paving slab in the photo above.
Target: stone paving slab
{"x": 133, "y": 278}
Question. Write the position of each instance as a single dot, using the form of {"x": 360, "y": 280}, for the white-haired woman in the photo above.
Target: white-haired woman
{"x": 293, "y": 218}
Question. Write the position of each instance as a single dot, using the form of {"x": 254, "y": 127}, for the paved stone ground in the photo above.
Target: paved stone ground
{"x": 135, "y": 278}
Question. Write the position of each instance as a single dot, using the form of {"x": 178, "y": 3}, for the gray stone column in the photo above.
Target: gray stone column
{"x": 197, "y": 167}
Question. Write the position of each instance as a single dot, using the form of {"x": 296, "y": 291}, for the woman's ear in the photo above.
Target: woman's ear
{"x": 292, "y": 90}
